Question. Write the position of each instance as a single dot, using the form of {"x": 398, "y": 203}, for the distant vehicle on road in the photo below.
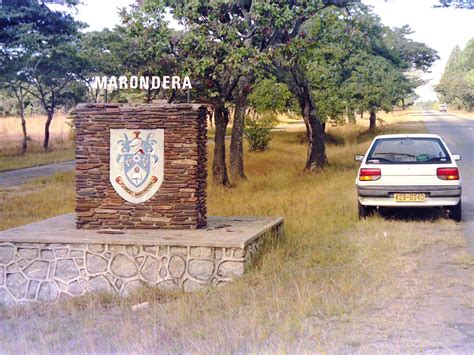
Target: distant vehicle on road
{"x": 408, "y": 170}
{"x": 443, "y": 108}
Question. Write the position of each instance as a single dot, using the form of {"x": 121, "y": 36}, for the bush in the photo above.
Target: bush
{"x": 257, "y": 132}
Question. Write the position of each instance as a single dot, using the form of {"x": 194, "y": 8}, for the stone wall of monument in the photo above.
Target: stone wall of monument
{"x": 46, "y": 272}
{"x": 180, "y": 202}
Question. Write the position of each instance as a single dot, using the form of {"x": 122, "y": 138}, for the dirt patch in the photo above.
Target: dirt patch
{"x": 429, "y": 309}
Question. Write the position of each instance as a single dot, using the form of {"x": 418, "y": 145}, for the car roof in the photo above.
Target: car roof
{"x": 411, "y": 135}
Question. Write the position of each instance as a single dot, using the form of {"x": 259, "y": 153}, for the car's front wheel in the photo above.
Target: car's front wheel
{"x": 455, "y": 212}
{"x": 365, "y": 211}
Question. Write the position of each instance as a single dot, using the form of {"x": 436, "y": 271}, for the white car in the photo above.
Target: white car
{"x": 443, "y": 108}
{"x": 409, "y": 170}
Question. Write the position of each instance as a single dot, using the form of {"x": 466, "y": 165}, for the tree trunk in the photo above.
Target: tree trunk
{"x": 373, "y": 120}
{"x": 148, "y": 95}
{"x": 351, "y": 116}
{"x": 403, "y": 104}
{"x": 316, "y": 157}
{"x": 212, "y": 119}
{"x": 361, "y": 114}
{"x": 46, "y": 130}
{"x": 24, "y": 145}
{"x": 219, "y": 169}
{"x": 236, "y": 144}
{"x": 300, "y": 87}
{"x": 20, "y": 95}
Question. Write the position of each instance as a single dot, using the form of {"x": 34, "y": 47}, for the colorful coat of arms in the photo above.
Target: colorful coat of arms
{"x": 136, "y": 162}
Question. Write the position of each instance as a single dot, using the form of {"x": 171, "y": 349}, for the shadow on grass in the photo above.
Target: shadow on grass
{"x": 334, "y": 139}
{"x": 413, "y": 214}
{"x": 329, "y": 139}
{"x": 271, "y": 241}
{"x": 368, "y": 135}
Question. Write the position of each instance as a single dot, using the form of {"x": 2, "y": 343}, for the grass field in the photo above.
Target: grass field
{"x": 10, "y": 129}
{"x": 329, "y": 266}
{"x": 61, "y": 145}
{"x": 56, "y": 155}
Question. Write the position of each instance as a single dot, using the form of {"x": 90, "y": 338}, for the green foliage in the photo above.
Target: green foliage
{"x": 214, "y": 50}
{"x": 410, "y": 54}
{"x": 147, "y": 43}
{"x": 373, "y": 83}
{"x": 38, "y": 48}
{"x": 105, "y": 51}
{"x": 257, "y": 132}
{"x": 354, "y": 62}
{"x": 456, "y": 86}
{"x": 270, "y": 96}
{"x": 8, "y": 104}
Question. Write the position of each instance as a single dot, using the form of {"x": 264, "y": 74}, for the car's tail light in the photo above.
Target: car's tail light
{"x": 448, "y": 173}
{"x": 369, "y": 174}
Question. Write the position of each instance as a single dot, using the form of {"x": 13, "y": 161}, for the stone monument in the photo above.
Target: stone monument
{"x": 140, "y": 214}
{"x": 141, "y": 166}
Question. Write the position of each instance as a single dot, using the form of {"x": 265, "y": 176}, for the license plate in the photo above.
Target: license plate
{"x": 409, "y": 197}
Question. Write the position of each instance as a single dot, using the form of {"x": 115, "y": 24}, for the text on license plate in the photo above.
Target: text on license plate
{"x": 409, "y": 197}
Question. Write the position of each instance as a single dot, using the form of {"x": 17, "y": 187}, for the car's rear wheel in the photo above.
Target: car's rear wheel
{"x": 365, "y": 211}
{"x": 455, "y": 212}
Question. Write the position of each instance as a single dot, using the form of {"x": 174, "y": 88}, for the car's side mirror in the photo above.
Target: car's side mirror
{"x": 358, "y": 157}
{"x": 456, "y": 157}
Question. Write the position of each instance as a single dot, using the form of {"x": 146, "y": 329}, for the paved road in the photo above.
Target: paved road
{"x": 21, "y": 176}
{"x": 459, "y": 135}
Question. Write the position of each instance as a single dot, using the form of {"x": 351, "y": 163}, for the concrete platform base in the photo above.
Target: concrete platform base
{"x": 51, "y": 260}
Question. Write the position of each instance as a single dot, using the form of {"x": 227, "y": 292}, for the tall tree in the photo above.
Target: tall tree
{"x": 241, "y": 93}
{"x": 360, "y": 64}
{"x": 373, "y": 84}
{"x": 105, "y": 51}
{"x": 12, "y": 82}
{"x": 265, "y": 33}
{"x": 456, "y": 85}
{"x": 411, "y": 54}
{"x": 49, "y": 41}
{"x": 212, "y": 52}
{"x": 147, "y": 45}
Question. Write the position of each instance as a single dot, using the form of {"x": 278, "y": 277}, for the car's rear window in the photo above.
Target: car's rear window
{"x": 408, "y": 151}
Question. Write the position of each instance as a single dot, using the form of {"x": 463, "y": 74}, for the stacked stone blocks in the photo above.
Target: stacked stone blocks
{"x": 180, "y": 203}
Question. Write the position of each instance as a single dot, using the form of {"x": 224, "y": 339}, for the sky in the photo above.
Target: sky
{"x": 441, "y": 29}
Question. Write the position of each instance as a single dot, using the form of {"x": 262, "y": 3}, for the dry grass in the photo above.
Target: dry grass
{"x": 329, "y": 266}
{"x": 56, "y": 155}
{"x": 10, "y": 129}
{"x": 465, "y": 259}
{"x": 41, "y": 199}
{"x": 463, "y": 114}
{"x": 397, "y": 117}
{"x": 61, "y": 145}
